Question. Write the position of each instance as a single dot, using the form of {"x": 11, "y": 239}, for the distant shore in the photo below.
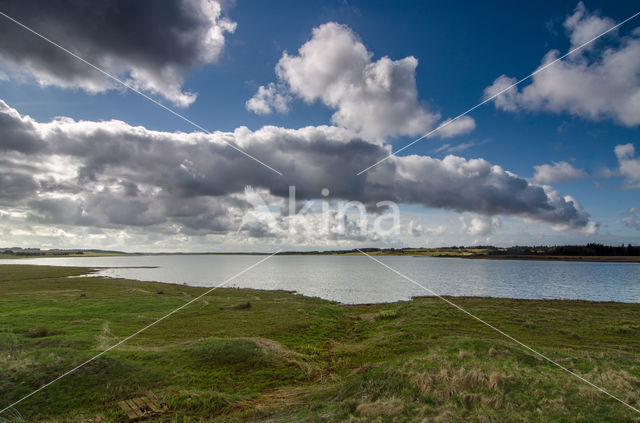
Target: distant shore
{"x": 597, "y": 259}
{"x": 591, "y": 252}
{"x": 594, "y": 259}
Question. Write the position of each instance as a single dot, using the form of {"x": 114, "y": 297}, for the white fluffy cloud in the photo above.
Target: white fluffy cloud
{"x": 480, "y": 225}
{"x": 268, "y": 99}
{"x": 152, "y": 52}
{"x": 583, "y": 26}
{"x": 450, "y": 129}
{"x": 599, "y": 82}
{"x": 628, "y": 164}
{"x": 557, "y": 172}
{"x": 374, "y": 99}
{"x": 435, "y": 230}
{"x": 415, "y": 229}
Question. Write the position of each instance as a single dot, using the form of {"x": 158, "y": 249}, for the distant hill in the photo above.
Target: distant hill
{"x": 37, "y": 252}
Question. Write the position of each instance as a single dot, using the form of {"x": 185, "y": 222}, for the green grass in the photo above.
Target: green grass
{"x": 248, "y": 355}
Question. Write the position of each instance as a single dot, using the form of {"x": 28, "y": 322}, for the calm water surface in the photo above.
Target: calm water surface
{"x": 358, "y": 279}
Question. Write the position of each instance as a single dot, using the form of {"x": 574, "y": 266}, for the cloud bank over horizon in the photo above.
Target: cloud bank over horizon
{"x": 112, "y": 175}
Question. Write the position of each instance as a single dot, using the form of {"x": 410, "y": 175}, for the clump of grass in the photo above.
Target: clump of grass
{"x": 463, "y": 355}
{"x": 470, "y": 387}
{"x": 388, "y": 314}
{"x": 387, "y": 408}
{"x": 8, "y": 341}
{"x": 12, "y": 416}
{"x": 624, "y": 329}
{"x": 39, "y": 332}
{"x": 208, "y": 403}
{"x": 242, "y": 306}
{"x": 469, "y": 400}
{"x": 495, "y": 382}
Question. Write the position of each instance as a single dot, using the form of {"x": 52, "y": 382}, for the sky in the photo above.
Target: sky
{"x": 234, "y": 105}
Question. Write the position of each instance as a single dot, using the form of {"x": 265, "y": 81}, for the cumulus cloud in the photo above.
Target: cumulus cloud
{"x": 111, "y": 175}
{"x": 435, "y": 230}
{"x": 416, "y": 229}
{"x": 152, "y": 48}
{"x": 268, "y": 99}
{"x": 374, "y": 99}
{"x": 413, "y": 228}
{"x": 631, "y": 218}
{"x": 628, "y": 165}
{"x": 480, "y": 225}
{"x": 557, "y": 172}
{"x": 453, "y": 128}
{"x": 599, "y": 82}
{"x": 583, "y": 26}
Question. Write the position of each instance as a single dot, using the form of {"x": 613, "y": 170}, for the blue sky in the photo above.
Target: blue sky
{"x": 461, "y": 49}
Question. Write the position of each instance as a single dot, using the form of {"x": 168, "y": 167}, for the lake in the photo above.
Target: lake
{"x": 358, "y": 279}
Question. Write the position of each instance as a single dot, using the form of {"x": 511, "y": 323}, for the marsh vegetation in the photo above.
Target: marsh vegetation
{"x": 250, "y": 355}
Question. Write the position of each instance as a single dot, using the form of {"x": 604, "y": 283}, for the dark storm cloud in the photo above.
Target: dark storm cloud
{"x": 16, "y": 186}
{"x": 17, "y": 134}
{"x": 151, "y": 43}
{"x": 99, "y": 209}
{"x": 476, "y": 185}
{"x": 130, "y": 176}
{"x": 59, "y": 210}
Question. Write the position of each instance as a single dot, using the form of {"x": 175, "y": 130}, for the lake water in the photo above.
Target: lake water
{"x": 358, "y": 279}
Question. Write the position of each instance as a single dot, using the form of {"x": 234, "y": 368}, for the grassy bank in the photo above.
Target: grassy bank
{"x": 247, "y": 355}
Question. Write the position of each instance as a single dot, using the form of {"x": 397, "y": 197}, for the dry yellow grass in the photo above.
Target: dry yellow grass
{"x": 388, "y": 408}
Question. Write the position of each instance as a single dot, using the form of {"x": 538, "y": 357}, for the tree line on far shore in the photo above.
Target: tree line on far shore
{"x": 591, "y": 249}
